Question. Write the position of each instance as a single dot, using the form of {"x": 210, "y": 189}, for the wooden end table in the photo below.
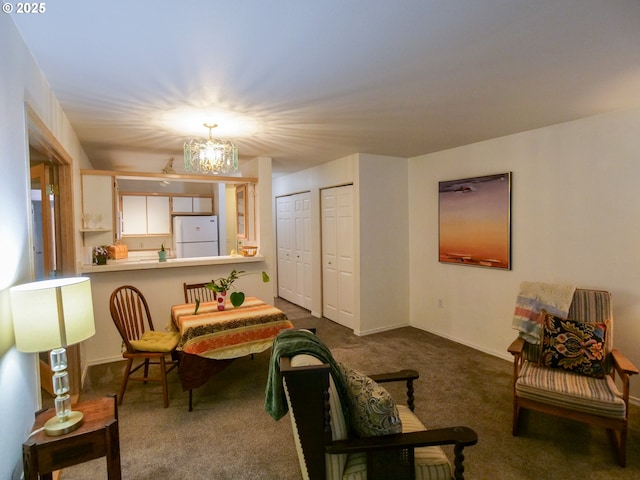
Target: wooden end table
{"x": 96, "y": 437}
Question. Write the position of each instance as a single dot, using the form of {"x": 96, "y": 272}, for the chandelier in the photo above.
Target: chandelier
{"x": 210, "y": 156}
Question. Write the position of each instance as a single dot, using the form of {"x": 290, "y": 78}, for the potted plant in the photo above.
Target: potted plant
{"x": 100, "y": 255}
{"x": 223, "y": 284}
{"x": 162, "y": 254}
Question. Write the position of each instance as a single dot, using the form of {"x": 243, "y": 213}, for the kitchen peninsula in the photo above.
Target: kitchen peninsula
{"x": 162, "y": 285}
{"x": 147, "y": 263}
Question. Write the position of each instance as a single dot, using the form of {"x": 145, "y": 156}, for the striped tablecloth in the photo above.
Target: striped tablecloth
{"x": 230, "y": 333}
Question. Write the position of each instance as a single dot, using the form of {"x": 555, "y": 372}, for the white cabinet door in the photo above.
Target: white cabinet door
{"x": 338, "y": 244}
{"x": 181, "y": 205}
{"x": 145, "y": 215}
{"x": 202, "y": 205}
{"x": 158, "y": 215}
{"x": 97, "y": 209}
{"x": 134, "y": 215}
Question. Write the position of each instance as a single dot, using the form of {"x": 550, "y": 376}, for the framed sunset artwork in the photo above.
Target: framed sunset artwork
{"x": 475, "y": 221}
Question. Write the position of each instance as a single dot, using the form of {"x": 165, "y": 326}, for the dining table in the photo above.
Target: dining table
{"x": 211, "y": 338}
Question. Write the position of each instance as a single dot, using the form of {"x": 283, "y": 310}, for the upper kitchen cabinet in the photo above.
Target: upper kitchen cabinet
{"x": 97, "y": 209}
{"x": 145, "y": 215}
{"x": 200, "y": 205}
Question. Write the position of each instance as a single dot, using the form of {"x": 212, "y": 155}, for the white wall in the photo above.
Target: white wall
{"x": 384, "y": 242}
{"x": 381, "y": 219}
{"x": 575, "y": 206}
{"x": 21, "y": 81}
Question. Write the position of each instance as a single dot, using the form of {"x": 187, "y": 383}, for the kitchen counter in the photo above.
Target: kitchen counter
{"x": 148, "y": 263}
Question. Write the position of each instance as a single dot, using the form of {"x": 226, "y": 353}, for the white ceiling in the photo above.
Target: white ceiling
{"x": 328, "y": 78}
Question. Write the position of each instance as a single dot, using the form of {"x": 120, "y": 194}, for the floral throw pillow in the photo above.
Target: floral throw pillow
{"x": 574, "y": 346}
{"x": 372, "y": 410}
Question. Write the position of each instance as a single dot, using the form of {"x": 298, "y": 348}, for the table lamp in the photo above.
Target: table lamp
{"x": 50, "y": 315}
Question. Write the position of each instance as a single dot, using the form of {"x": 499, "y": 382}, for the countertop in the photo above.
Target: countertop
{"x": 146, "y": 263}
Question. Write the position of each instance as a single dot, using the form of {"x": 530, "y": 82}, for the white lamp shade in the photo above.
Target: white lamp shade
{"x": 52, "y": 313}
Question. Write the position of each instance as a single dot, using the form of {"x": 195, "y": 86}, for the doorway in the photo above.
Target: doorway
{"x": 52, "y": 229}
{"x": 43, "y": 219}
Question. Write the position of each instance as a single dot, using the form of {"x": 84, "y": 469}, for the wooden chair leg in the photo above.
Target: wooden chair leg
{"x": 125, "y": 380}
{"x": 516, "y": 415}
{"x": 146, "y": 370}
{"x": 163, "y": 379}
{"x": 619, "y": 442}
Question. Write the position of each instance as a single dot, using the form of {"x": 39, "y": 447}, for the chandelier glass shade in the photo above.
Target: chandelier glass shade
{"x": 210, "y": 156}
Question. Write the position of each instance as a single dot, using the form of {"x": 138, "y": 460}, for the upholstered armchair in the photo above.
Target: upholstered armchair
{"x": 346, "y": 426}
{"x": 574, "y": 372}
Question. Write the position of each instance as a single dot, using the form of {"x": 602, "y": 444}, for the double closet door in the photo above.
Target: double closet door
{"x": 293, "y": 213}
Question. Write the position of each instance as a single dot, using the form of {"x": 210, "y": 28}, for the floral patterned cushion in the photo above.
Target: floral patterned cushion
{"x": 574, "y": 346}
{"x": 372, "y": 410}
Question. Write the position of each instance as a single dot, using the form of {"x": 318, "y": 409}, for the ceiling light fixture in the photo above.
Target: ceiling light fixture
{"x": 210, "y": 156}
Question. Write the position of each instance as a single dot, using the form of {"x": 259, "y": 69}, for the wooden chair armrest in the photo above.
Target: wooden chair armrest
{"x": 401, "y": 376}
{"x": 407, "y": 376}
{"x": 622, "y": 363}
{"x": 517, "y": 347}
{"x": 461, "y": 436}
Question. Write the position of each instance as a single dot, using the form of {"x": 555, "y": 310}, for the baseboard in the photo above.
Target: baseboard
{"x": 362, "y": 333}
{"x": 101, "y": 361}
{"x": 505, "y": 356}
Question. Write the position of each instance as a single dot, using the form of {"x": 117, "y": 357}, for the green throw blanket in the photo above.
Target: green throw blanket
{"x": 289, "y": 343}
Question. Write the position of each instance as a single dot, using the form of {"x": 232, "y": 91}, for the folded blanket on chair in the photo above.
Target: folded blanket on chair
{"x": 534, "y": 297}
{"x": 287, "y": 344}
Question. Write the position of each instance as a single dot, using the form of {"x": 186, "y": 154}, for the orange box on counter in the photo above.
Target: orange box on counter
{"x": 117, "y": 252}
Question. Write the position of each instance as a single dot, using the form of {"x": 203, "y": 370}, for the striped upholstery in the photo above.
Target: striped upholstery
{"x": 598, "y": 396}
{"x": 600, "y": 402}
{"x": 593, "y": 306}
{"x": 557, "y": 387}
{"x": 431, "y": 462}
{"x": 334, "y": 463}
{"x": 590, "y": 306}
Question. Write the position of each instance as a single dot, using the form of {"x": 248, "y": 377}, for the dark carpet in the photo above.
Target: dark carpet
{"x": 229, "y": 435}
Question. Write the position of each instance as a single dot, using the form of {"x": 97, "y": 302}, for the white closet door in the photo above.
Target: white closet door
{"x": 302, "y": 248}
{"x": 293, "y": 220}
{"x": 284, "y": 234}
{"x": 338, "y": 255}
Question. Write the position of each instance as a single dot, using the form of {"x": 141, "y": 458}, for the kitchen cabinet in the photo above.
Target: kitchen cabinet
{"x": 97, "y": 209}
{"x": 202, "y": 205}
{"x": 146, "y": 215}
{"x": 182, "y": 204}
{"x": 158, "y": 216}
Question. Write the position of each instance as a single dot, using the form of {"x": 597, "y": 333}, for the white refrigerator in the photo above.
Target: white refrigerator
{"x": 195, "y": 236}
